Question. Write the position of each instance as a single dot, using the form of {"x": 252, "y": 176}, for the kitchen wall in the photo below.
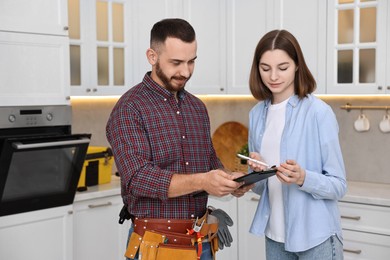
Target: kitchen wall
{"x": 366, "y": 154}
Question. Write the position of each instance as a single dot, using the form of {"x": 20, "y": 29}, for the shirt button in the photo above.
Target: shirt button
{"x": 192, "y": 216}
{"x": 187, "y": 163}
{"x": 165, "y": 99}
{"x": 184, "y": 137}
{"x": 178, "y": 112}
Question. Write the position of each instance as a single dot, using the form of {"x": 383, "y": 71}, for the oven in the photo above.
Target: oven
{"x": 40, "y": 159}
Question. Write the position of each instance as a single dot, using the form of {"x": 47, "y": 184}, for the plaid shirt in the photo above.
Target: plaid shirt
{"x": 154, "y": 136}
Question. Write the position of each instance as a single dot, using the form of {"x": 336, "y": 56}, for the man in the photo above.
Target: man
{"x": 160, "y": 135}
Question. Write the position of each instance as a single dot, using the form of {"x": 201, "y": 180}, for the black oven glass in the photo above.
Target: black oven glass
{"x": 36, "y": 173}
{"x": 40, "y": 172}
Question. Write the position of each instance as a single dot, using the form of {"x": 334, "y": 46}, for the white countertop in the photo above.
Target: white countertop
{"x": 358, "y": 192}
{"x": 368, "y": 193}
{"x": 103, "y": 190}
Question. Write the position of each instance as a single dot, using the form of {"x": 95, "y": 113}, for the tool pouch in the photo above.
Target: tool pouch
{"x": 161, "y": 245}
{"x": 172, "y": 251}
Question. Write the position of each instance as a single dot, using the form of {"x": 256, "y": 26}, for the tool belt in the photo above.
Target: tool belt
{"x": 163, "y": 239}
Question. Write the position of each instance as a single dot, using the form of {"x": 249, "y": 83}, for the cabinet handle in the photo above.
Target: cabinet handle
{"x": 351, "y": 217}
{"x": 255, "y": 199}
{"x": 380, "y": 87}
{"x": 92, "y": 206}
{"x": 353, "y": 251}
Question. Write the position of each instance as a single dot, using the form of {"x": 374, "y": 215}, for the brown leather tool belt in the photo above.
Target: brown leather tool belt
{"x": 176, "y": 232}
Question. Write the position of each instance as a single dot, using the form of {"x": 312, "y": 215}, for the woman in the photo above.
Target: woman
{"x": 293, "y": 129}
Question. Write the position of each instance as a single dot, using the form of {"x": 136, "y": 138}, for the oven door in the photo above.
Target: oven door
{"x": 40, "y": 172}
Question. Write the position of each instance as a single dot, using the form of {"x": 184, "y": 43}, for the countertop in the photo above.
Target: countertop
{"x": 358, "y": 192}
{"x": 368, "y": 193}
{"x": 98, "y": 191}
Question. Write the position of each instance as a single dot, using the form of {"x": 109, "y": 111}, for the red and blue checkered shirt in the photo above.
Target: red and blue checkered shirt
{"x": 153, "y": 136}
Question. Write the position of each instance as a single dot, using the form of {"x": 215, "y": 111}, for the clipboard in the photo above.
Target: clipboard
{"x": 254, "y": 177}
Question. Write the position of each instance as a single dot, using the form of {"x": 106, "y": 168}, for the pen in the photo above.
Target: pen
{"x": 252, "y": 160}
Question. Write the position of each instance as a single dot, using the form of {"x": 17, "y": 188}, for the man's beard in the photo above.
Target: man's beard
{"x": 167, "y": 82}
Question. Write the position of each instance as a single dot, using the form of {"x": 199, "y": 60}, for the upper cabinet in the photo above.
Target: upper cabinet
{"x": 109, "y": 39}
{"x": 38, "y": 16}
{"x": 343, "y": 41}
{"x": 34, "y": 51}
{"x": 358, "y": 47}
{"x": 306, "y": 20}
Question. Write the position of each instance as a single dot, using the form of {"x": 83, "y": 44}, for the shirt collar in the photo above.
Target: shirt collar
{"x": 163, "y": 92}
{"x": 293, "y": 101}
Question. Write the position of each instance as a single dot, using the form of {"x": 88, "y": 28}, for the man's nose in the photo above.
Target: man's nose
{"x": 185, "y": 70}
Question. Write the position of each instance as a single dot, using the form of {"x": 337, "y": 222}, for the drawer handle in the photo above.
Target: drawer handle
{"x": 92, "y": 206}
{"x": 351, "y": 217}
{"x": 255, "y": 199}
{"x": 353, "y": 251}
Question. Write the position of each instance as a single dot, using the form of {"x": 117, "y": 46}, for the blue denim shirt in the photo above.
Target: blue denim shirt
{"x": 310, "y": 137}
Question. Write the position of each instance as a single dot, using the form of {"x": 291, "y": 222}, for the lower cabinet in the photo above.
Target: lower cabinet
{"x": 250, "y": 246}
{"x": 245, "y": 245}
{"x": 366, "y": 231}
{"x": 97, "y": 234}
{"x": 229, "y": 205}
{"x": 37, "y": 235}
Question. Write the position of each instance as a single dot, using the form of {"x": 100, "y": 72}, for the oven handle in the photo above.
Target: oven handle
{"x": 20, "y": 146}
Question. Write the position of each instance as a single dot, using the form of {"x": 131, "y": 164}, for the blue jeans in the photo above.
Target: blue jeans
{"x": 206, "y": 249}
{"x": 331, "y": 249}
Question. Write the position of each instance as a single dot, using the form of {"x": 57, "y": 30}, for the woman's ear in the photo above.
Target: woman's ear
{"x": 151, "y": 55}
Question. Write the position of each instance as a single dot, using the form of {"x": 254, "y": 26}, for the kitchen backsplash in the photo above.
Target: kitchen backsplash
{"x": 366, "y": 154}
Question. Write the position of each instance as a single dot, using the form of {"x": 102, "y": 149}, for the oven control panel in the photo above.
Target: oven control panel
{"x": 12, "y": 117}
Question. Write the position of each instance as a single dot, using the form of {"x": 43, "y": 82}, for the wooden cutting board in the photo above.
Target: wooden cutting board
{"x": 228, "y": 139}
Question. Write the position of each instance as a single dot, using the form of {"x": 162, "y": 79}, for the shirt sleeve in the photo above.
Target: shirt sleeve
{"x": 331, "y": 183}
{"x": 132, "y": 154}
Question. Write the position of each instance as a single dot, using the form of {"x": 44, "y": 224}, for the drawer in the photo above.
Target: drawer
{"x": 366, "y": 218}
{"x": 360, "y": 245}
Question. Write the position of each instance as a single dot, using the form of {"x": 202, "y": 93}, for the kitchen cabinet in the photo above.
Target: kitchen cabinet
{"x": 229, "y": 205}
{"x": 227, "y": 33}
{"x": 250, "y": 246}
{"x": 245, "y": 245}
{"x": 358, "y": 38}
{"x": 97, "y": 234}
{"x": 366, "y": 230}
{"x": 306, "y": 20}
{"x": 41, "y": 234}
{"x": 34, "y": 50}
{"x": 38, "y": 16}
{"x": 225, "y": 44}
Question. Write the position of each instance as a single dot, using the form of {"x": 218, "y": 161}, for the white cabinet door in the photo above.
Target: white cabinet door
{"x": 229, "y": 205}
{"x": 41, "y": 234}
{"x": 34, "y": 69}
{"x": 358, "y": 47}
{"x": 97, "y": 233}
{"x": 361, "y": 245}
{"x": 249, "y": 246}
{"x": 306, "y": 20}
{"x": 38, "y": 16}
{"x": 246, "y": 24}
{"x": 209, "y": 21}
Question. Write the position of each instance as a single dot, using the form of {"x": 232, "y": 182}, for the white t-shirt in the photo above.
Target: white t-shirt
{"x": 270, "y": 151}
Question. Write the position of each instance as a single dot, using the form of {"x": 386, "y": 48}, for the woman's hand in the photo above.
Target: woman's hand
{"x": 255, "y": 166}
{"x": 290, "y": 172}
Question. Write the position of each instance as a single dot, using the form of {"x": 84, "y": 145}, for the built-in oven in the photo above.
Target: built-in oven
{"x": 40, "y": 159}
